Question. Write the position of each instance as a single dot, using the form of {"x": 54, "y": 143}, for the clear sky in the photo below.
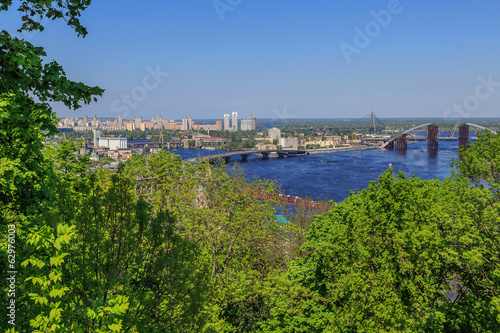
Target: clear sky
{"x": 282, "y": 59}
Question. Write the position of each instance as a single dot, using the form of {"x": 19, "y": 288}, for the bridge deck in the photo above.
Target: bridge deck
{"x": 227, "y": 155}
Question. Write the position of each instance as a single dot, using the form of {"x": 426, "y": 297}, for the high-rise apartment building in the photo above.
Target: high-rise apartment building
{"x": 246, "y": 125}
{"x": 138, "y": 121}
{"x": 130, "y": 125}
{"x": 226, "y": 122}
{"x": 218, "y": 125}
{"x": 97, "y": 135}
{"x": 171, "y": 125}
{"x": 187, "y": 123}
{"x": 159, "y": 122}
{"x": 120, "y": 120}
{"x": 249, "y": 124}
{"x": 234, "y": 123}
{"x": 274, "y": 133}
{"x": 254, "y": 123}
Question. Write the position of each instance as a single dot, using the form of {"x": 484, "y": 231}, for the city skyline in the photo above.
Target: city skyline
{"x": 139, "y": 123}
{"x": 401, "y": 59}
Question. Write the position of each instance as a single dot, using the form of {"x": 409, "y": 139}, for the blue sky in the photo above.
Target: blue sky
{"x": 282, "y": 59}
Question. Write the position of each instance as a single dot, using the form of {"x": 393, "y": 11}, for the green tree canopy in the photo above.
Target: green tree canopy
{"x": 402, "y": 255}
{"x": 480, "y": 163}
{"x": 27, "y": 85}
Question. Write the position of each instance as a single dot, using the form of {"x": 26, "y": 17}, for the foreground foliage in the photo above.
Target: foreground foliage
{"x": 27, "y": 85}
{"x": 403, "y": 255}
{"x": 163, "y": 246}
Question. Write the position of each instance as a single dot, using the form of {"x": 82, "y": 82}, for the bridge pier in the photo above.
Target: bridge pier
{"x": 432, "y": 137}
{"x": 281, "y": 155}
{"x": 463, "y": 136}
{"x": 244, "y": 157}
{"x": 265, "y": 156}
{"x": 401, "y": 142}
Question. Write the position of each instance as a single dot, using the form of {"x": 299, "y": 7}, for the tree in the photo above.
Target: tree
{"x": 299, "y": 217}
{"x": 114, "y": 261}
{"x": 138, "y": 253}
{"x": 239, "y": 238}
{"x": 106, "y": 160}
{"x": 475, "y": 229}
{"x": 368, "y": 276}
{"x": 480, "y": 163}
{"x": 403, "y": 255}
{"x": 27, "y": 85}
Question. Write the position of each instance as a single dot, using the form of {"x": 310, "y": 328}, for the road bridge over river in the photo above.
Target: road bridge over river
{"x": 397, "y": 142}
{"x": 245, "y": 153}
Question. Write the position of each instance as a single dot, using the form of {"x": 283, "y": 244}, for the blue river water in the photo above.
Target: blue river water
{"x": 333, "y": 176}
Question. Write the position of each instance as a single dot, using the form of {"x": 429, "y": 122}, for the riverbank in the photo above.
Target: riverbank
{"x": 339, "y": 149}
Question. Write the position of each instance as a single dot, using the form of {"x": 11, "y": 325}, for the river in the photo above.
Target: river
{"x": 333, "y": 176}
